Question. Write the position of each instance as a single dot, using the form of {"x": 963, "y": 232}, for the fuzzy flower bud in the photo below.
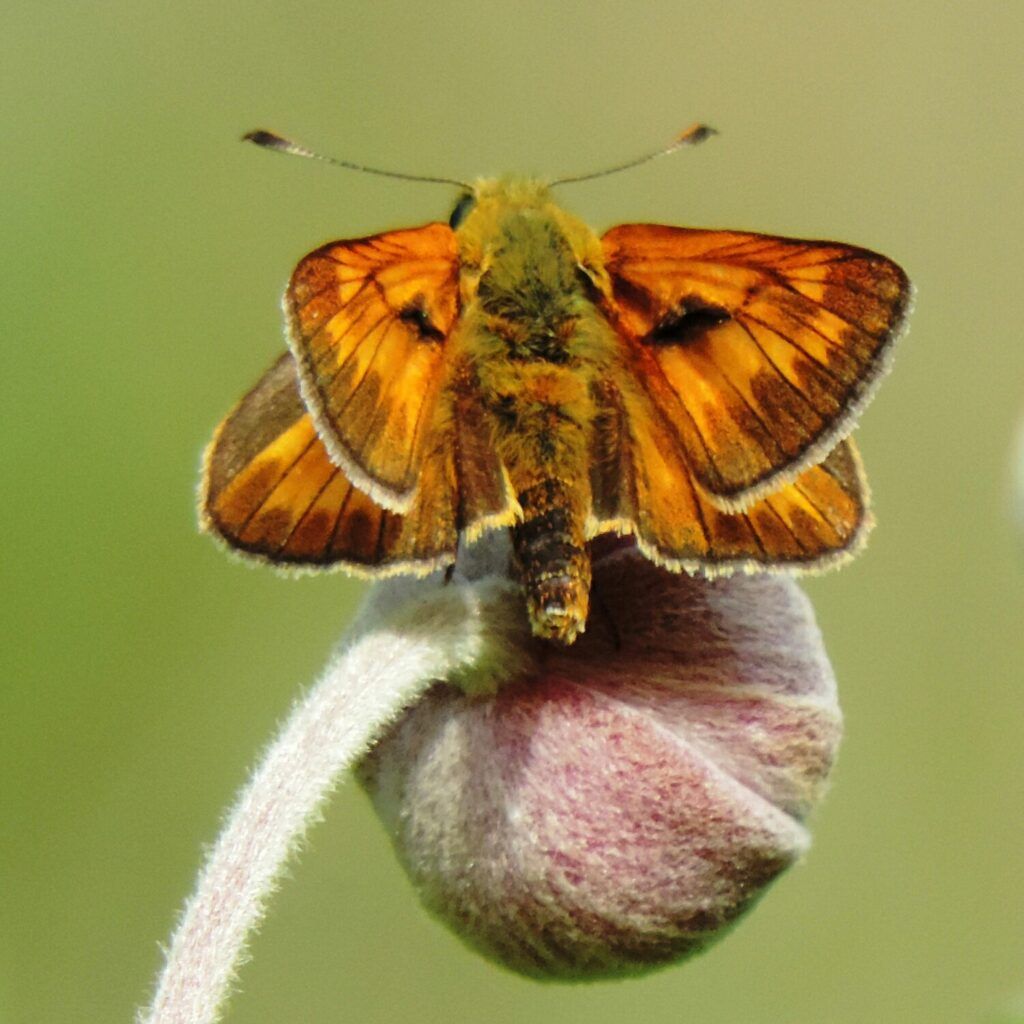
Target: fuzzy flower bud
{"x": 572, "y": 812}
{"x": 621, "y": 803}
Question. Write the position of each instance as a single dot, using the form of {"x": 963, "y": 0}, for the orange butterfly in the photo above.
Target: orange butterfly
{"x": 511, "y": 369}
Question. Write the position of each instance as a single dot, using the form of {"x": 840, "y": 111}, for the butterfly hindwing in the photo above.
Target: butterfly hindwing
{"x": 643, "y": 485}
{"x": 271, "y": 491}
{"x": 759, "y": 351}
{"x": 368, "y": 320}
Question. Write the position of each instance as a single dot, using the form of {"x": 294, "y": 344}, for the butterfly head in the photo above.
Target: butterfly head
{"x": 503, "y": 219}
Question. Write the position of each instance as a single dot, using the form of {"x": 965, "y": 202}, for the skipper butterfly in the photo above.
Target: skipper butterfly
{"x": 510, "y": 369}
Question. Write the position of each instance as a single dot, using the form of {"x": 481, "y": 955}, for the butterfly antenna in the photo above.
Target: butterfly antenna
{"x": 268, "y": 140}
{"x": 690, "y": 137}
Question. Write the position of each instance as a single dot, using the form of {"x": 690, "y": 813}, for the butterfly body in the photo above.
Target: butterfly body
{"x": 535, "y": 347}
{"x": 515, "y": 370}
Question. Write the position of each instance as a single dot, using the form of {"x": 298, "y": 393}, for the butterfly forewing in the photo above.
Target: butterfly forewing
{"x": 367, "y": 322}
{"x": 759, "y": 351}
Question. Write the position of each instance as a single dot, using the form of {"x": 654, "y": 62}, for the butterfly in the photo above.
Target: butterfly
{"x": 510, "y": 369}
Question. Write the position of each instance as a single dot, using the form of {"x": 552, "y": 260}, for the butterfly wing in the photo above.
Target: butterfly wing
{"x": 759, "y": 351}
{"x": 643, "y": 485}
{"x": 271, "y": 491}
{"x": 367, "y": 323}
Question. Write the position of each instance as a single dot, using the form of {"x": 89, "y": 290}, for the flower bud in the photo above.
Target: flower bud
{"x": 621, "y": 804}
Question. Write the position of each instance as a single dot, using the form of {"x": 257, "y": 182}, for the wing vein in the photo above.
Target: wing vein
{"x": 341, "y": 515}
{"x": 309, "y": 508}
{"x": 792, "y": 341}
{"x": 270, "y": 491}
{"x": 771, "y": 362}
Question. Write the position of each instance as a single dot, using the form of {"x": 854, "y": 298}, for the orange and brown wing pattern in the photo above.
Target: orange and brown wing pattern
{"x": 642, "y": 485}
{"x": 760, "y": 351}
{"x": 367, "y": 323}
{"x": 271, "y": 491}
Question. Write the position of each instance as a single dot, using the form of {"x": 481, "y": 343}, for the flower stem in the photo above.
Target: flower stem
{"x": 411, "y": 634}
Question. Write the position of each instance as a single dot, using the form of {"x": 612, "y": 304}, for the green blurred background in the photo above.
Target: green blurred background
{"x": 144, "y": 253}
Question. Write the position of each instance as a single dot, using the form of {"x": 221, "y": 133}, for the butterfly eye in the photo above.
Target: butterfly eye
{"x": 462, "y": 208}
{"x": 588, "y": 275}
{"x": 594, "y": 280}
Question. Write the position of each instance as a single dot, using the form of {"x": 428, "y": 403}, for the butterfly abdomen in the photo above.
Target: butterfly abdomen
{"x": 541, "y": 415}
{"x": 551, "y": 560}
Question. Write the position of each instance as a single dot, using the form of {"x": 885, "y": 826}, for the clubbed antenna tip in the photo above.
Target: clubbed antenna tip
{"x": 269, "y": 140}
{"x": 689, "y": 137}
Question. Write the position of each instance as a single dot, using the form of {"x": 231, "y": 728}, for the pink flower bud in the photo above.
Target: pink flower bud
{"x": 626, "y": 801}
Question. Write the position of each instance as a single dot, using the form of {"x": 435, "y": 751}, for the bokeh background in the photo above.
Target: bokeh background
{"x": 144, "y": 250}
